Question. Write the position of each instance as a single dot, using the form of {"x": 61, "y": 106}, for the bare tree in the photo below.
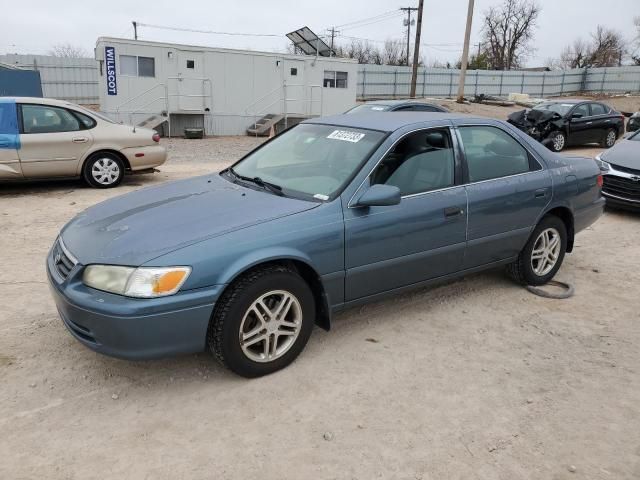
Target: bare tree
{"x": 635, "y": 54}
{"x": 576, "y": 55}
{"x": 608, "y": 48}
{"x": 394, "y": 53}
{"x": 66, "y": 50}
{"x": 507, "y": 33}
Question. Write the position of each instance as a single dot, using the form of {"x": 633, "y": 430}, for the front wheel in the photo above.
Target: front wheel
{"x": 103, "y": 170}
{"x": 262, "y": 321}
{"x": 542, "y": 256}
{"x": 558, "y": 141}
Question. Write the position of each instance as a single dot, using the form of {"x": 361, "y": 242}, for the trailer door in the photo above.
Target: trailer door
{"x": 193, "y": 91}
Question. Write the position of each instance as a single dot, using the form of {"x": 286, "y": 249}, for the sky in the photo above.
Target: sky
{"x": 35, "y": 26}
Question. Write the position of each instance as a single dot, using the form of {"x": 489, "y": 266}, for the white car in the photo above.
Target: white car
{"x": 46, "y": 138}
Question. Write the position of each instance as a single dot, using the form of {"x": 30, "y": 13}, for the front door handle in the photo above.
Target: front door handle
{"x": 453, "y": 211}
{"x": 80, "y": 140}
{"x": 589, "y": 123}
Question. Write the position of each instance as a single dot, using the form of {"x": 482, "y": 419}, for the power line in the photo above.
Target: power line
{"x": 367, "y": 19}
{"x": 211, "y": 32}
{"x": 384, "y": 19}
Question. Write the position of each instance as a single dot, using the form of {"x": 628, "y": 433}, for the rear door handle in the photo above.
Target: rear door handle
{"x": 453, "y": 211}
{"x": 80, "y": 140}
{"x": 541, "y": 192}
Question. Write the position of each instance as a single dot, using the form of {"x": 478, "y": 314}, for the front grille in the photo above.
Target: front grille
{"x": 621, "y": 187}
{"x": 62, "y": 259}
{"x": 633, "y": 171}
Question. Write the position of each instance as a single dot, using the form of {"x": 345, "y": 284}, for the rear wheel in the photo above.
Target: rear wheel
{"x": 262, "y": 321}
{"x": 103, "y": 170}
{"x": 610, "y": 138}
{"x": 542, "y": 256}
{"x": 558, "y": 141}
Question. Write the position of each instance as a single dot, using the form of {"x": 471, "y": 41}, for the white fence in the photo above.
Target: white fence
{"x": 77, "y": 80}
{"x": 73, "y": 79}
{"x": 384, "y": 81}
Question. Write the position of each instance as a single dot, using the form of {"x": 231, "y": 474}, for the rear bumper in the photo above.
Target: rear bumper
{"x": 141, "y": 158}
{"x": 130, "y": 328}
{"x": 588, "y": 215}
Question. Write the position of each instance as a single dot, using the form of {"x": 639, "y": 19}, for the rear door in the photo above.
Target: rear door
{"x": 507, "y": 191}
{"x": 9, "y": 141}
{"x": 602, "y": 121}
{"x": 53, "y": 141}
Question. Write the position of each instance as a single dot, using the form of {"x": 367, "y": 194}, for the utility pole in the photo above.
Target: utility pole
{"x": 465, "y": 53}
{"x": 408, "y": 21}
{"x": 416, "y": 51}
{"x": 333, "y": 34}
{"x": 135, "y": 30}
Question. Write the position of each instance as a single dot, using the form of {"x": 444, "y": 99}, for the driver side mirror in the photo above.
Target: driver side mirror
{"x": 576, "y": 115}
{"x": 379, "y": 196}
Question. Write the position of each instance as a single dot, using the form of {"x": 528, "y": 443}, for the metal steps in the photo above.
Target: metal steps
{"x": 263, "y": 126}
{"x": 152, "y": 122}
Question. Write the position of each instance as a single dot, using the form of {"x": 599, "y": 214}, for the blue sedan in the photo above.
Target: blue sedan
{"x": 332, "y": 213}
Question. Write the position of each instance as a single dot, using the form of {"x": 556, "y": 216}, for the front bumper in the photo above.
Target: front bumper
{"x": 130, "y": 328}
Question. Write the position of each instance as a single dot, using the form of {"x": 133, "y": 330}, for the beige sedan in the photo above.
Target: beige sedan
{"x": 46, "y": 138}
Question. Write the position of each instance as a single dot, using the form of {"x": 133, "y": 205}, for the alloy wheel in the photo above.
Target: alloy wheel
{"x": 611, "y": 138}
{"x": 558, "y": 142}
{"x": 546, "y": 250}
{"x": 105, "y": 171}
{"x": 270, "y": 326}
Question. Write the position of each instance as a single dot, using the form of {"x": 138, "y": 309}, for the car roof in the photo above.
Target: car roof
{"x": 393, "y": 103}
{"x": 391, "y": 121}
{"x": 40, "y": 100}
{"x": 566, "y": 100}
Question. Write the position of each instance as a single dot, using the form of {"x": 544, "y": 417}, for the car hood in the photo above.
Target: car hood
{"x": 135, "y": 228}
{"x": 625, "y": 153}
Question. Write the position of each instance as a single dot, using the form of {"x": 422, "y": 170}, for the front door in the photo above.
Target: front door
{"x": 296, "y": 101}
{"x": 419, "y": 239}
{"x": 507, "y": 191}
{"x": 9, "y": 141}
{"x": 193, "y": 92}
{"x": 53, "y": 141}
{"x": 580, "y": 126}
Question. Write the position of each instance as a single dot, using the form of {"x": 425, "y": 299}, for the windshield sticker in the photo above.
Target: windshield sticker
{"x": 377, "y": 108}
{"x": 320, "y": 196}
{"x": 346, "y": 136}
{"x": 567, "y": 105}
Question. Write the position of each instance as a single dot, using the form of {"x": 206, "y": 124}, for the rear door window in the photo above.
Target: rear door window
{"x": 598, "y": 109}
{"x": 48, "y": 119}
{"x": 492, "y": 153}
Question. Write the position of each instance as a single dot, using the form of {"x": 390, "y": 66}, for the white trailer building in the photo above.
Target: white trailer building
{"x": 171, "y": 87}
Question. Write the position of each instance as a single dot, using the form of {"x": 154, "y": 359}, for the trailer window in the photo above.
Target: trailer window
{"x": 191, "y": 64}
{"x": 334, "y": 79}
{"x": 137, "y": 66}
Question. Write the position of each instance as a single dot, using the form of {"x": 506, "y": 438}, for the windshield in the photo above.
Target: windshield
{"x": 560, "y": 108}
{"x": 635, "y": 137}
{"x": 369, "y": 107}
{"x": 94, "y": 113}
{"x": 310, "y": 161}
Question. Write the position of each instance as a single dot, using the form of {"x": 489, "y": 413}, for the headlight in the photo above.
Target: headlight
{"x": 602, "y": 165}
{"x": 143, "y": 282}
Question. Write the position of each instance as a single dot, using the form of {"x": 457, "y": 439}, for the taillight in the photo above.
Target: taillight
{"x": 156, "y": 137}
{"x": 600, "y": 181}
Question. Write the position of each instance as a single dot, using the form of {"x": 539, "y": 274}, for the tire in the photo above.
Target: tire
{"x": 558, "y": 141}
{"x": 103, "y": 170}
{"x": 526, "y": 269}
{"x": 609, "y": 139}
{"x": 236, "y": 316}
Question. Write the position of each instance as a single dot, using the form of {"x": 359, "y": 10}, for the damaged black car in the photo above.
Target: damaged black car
{"x": 570, "y": 122}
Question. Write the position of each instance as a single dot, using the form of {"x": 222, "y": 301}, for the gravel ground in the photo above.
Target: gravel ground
{"x": 475, "y": 379}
